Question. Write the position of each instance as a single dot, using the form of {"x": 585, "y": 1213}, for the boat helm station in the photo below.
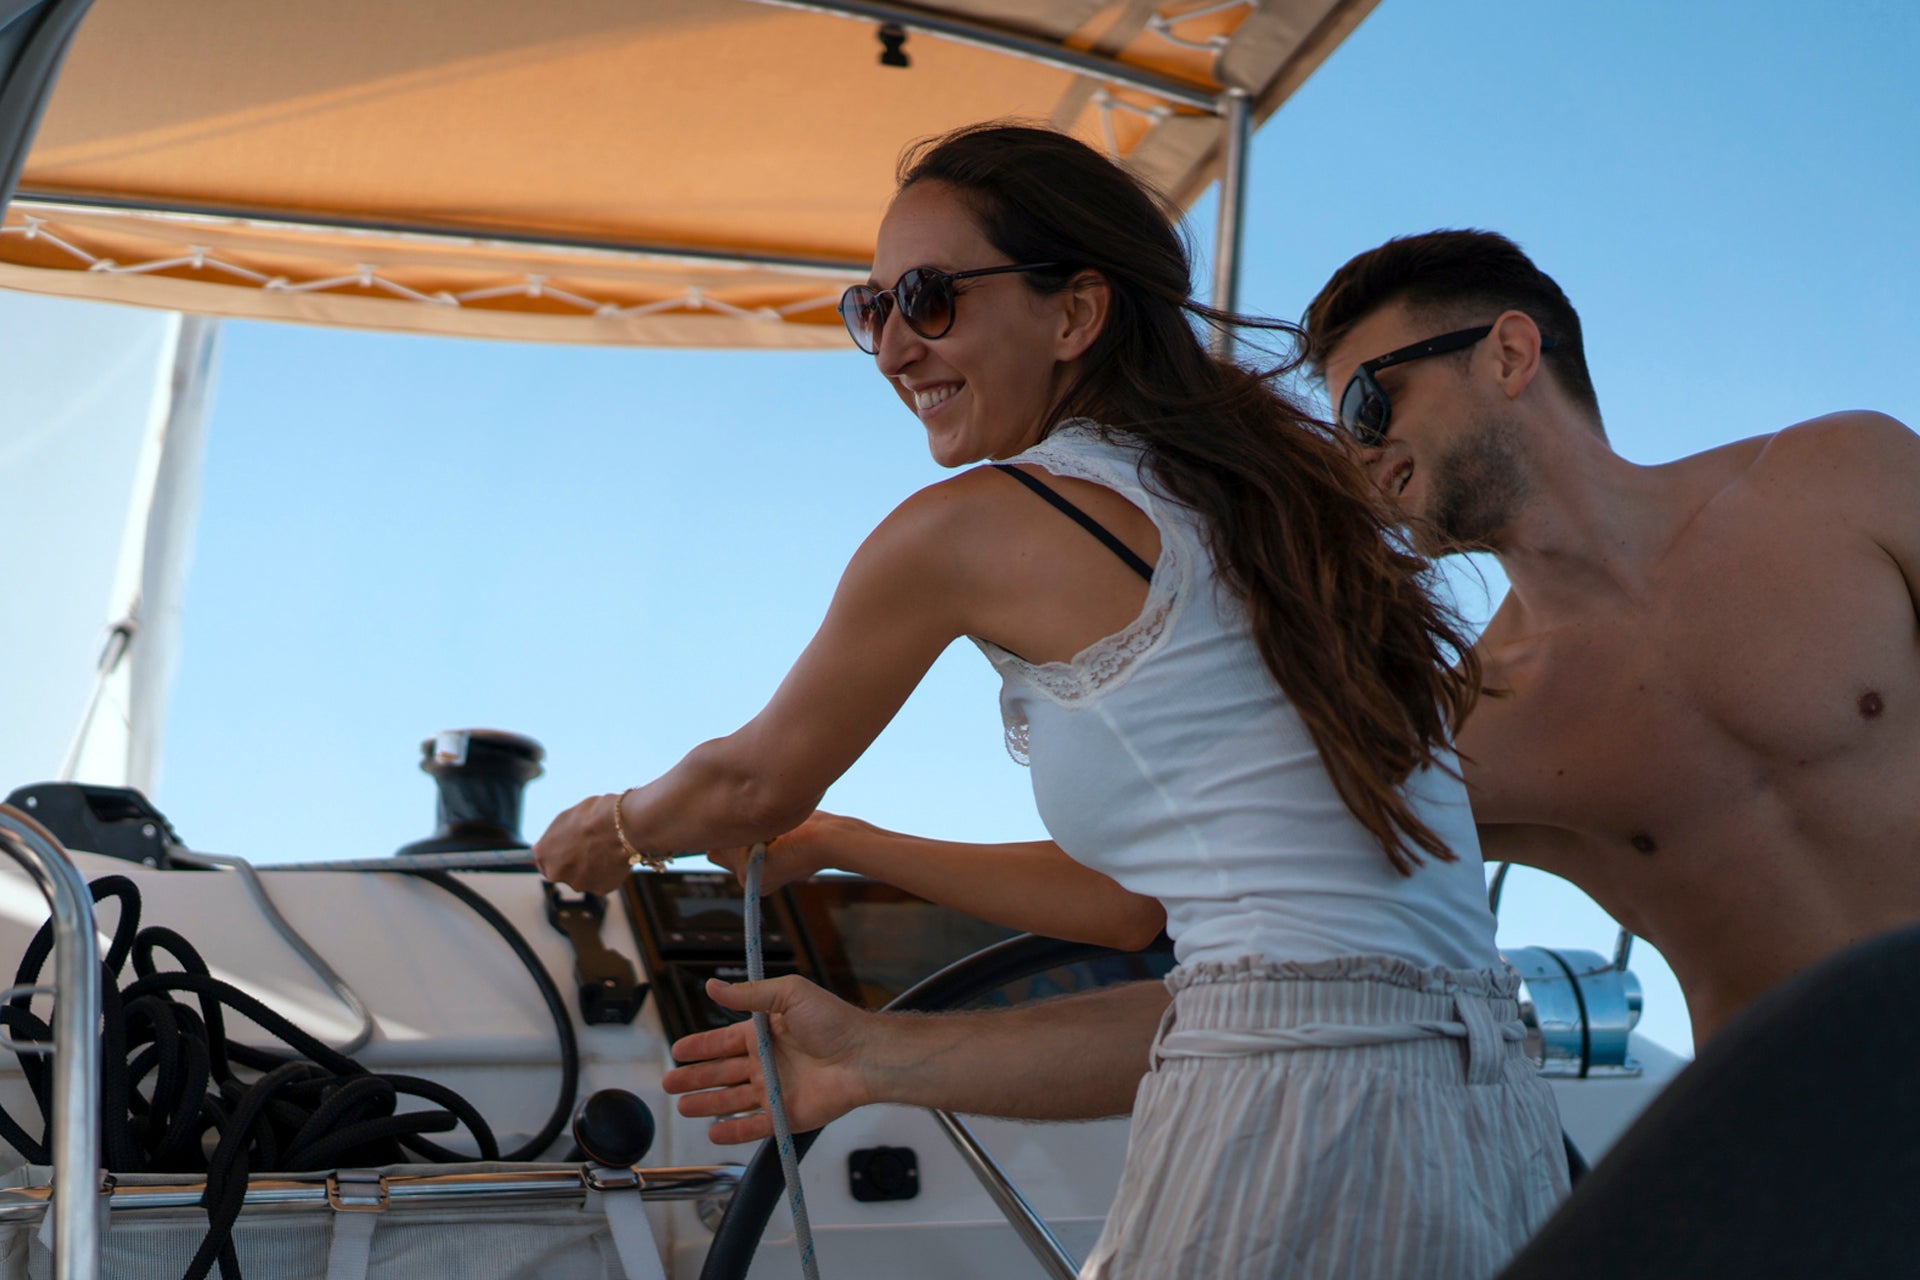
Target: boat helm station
{"x": 483, "y": 989}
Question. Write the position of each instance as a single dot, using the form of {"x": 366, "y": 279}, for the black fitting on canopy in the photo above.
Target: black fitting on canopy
{"x": 893, "y": 45}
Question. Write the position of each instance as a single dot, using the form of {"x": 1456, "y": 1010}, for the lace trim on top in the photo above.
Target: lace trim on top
{"x": 1105, "y": 664}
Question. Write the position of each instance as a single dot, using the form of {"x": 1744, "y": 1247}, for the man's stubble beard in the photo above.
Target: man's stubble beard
{"x": 1478, "y": 485}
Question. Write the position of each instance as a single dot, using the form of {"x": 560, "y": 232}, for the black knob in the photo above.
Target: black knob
{"x": 613, "y": 1128}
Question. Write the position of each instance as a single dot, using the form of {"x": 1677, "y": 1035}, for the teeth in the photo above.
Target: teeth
{"x": 925, "y": 400}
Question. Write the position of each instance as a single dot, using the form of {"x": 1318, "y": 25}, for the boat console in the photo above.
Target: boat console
{"x": 380, "y": 960}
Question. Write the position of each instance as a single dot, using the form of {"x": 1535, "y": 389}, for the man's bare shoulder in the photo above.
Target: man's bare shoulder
{"x": 1852, "y": 448}
{"x": 1859, "y": 465}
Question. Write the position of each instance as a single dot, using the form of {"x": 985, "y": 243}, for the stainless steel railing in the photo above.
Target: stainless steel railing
{"x": 1026, "y": 1223}
{"x": 76, "y": 1038}
{"x": 321, "y": 1191}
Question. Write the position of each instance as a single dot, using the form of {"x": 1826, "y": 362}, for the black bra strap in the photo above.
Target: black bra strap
{"x": 1082, "y": 519}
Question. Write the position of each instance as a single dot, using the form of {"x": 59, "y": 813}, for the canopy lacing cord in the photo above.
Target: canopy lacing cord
{"x": 776, "y": 1104}
{"x": 315, "y": 1108}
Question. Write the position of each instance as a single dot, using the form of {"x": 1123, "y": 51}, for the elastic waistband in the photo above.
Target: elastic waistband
{"x": 1387, "y": 971}
{"x": 1258, "y": 1007}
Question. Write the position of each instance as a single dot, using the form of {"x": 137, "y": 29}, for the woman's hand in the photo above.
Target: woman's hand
{"x": 804, "y": 851}
{"x": 582, "y": 849}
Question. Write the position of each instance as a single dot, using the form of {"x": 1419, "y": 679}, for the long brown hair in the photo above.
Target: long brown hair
{"x": 1341, "y": 611}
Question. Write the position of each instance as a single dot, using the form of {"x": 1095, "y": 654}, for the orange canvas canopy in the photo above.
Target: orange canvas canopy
{"x": 669, "y": 172}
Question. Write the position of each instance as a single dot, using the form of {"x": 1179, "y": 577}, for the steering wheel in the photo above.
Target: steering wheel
{"x": 954, "y": 987}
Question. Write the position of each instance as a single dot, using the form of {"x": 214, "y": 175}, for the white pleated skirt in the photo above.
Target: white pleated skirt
{"x": 1352, "y": 1119}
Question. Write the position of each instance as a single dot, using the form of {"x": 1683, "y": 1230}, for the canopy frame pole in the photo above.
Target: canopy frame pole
{"x": 34, "y": 35}
{"x": 1237, "y": 126}
{"x": 984, "y": 36}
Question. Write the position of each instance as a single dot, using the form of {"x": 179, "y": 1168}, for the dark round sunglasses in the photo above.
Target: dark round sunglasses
{"x": 923, "y": 296}
{"x": 1365, "y": 409}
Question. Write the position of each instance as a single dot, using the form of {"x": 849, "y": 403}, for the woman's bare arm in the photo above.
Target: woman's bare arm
{"x": 910, "y": 590}
{"x": 1058, "y": 896}
{"x": 962, "y": 557}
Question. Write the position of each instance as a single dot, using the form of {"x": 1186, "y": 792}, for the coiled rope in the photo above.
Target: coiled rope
{"x": 168, "y": 1082}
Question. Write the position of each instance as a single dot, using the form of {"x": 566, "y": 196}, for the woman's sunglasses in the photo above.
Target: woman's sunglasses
{"x": 923, "y": 296}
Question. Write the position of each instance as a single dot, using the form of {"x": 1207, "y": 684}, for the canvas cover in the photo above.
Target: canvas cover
{"x": 577, "y": 170}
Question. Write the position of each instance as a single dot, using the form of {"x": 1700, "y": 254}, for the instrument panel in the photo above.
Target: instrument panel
{"x": 865, "y": 941}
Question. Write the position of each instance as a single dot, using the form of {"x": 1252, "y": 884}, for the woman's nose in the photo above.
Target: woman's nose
{"x": 899, "y": 346}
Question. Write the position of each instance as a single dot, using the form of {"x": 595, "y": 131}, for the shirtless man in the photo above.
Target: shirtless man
{"x": 1706, "y": 676}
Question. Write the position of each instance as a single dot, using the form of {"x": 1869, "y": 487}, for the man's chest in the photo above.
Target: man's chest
{"x": 1743, "y": 671}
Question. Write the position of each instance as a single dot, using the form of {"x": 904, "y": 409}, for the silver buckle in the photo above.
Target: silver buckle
{"x": 607, "y": 1178}
{"x": 357, "y": 1191}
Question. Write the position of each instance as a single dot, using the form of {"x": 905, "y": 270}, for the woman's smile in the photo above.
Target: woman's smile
{"x": 928, "y": 401}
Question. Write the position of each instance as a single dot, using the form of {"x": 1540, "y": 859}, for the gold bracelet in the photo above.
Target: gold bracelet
{"x": 635, "y": 858}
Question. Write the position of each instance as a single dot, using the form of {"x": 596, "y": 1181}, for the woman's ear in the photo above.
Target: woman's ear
{"x": 1084, "y": 304}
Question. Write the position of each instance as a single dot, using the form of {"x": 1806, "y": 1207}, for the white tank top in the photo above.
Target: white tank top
{"x": 1167, "y": 757}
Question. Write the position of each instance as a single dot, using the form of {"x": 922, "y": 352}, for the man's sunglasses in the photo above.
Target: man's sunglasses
{"x": 1365, "y": 409}
{"x": 923, "y": 296}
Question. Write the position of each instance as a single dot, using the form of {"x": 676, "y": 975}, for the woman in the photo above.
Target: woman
{"x": 1236, "y": 696}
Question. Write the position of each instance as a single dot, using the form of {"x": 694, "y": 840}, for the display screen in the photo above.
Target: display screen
{"x": 704, "y": 908}
{"x": 703, "y": 913}
{"x": 890, "y": 945}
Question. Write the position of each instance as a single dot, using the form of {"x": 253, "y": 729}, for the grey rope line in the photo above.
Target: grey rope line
{"x": 776, "y": 1104}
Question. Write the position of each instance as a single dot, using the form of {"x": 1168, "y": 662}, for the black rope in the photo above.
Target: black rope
{"x": 169, "y": 1086}
{"x": 562, "y": 1019}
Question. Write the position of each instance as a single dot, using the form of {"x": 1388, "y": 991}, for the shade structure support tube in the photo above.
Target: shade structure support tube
{"x": 1237, "y": 125}
{"x": 34, "y": 35}
{"x": 76, "y": 1040}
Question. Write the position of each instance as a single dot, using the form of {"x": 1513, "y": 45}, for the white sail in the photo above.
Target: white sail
{"x": 102, "y": 420}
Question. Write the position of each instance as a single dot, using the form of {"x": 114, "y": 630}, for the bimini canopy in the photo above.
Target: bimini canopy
{"x": 671, "y": 172}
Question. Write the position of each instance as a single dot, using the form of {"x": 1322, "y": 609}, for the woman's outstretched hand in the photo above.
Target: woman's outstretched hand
{"x": 819, "y": 1042}
{"x": 807, "y": 849}
{"x": 581, "y": 849}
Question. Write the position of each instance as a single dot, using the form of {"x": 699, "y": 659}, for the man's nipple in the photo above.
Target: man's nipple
{"x": 1871, "y": 705}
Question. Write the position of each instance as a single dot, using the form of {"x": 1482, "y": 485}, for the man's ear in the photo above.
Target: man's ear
{"x": 1084, "y": 305}
{"x": 1516, "y": 351}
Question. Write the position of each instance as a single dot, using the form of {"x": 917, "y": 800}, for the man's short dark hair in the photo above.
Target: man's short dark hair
{"x": 1453, "y": 278}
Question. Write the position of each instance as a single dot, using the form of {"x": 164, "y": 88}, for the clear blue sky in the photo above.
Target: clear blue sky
{"x": 619, "y": 552}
